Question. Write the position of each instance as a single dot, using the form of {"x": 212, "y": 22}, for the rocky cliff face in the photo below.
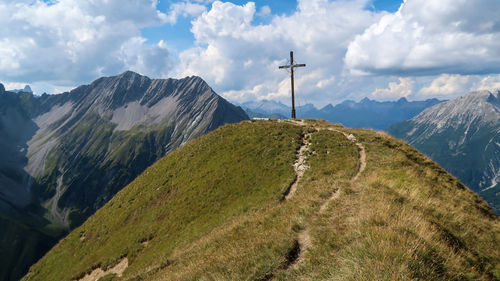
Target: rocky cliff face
{"x": 463, "y": 136}
{"x": 68, "y": 154}
{"x": 95, "y": 139}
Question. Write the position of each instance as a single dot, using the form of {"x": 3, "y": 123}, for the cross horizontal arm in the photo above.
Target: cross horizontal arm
{"x": 292, "y": 66}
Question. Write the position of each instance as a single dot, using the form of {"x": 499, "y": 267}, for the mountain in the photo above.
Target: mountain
{"x": 253, "y": 114}
{"x": 267, "y": 107}
{"x": 26, "y": 89}
{"x": 463, "y": 136}
{"x": 23, "y": 235}
{"x": 364, "y": 114}
{"x": 68, "y": 154}
{"x": 282, "y": 200}
{"x": 374, "y": 114}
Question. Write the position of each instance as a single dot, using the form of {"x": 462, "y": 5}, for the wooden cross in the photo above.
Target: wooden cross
{"x": 292, "y": 66}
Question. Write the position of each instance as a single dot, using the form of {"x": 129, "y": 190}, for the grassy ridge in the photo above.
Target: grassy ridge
{"x": 212, "y": 210}
{"x": 182, "y": 197}
{"x": 404, "y": 219}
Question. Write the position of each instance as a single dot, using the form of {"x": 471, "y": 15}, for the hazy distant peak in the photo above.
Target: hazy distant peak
{"x": 365, "y": 100}
{"x": 26, "y": 89}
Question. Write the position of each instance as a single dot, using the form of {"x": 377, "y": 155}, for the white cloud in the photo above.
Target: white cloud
{"x": 14, "y": 85}
{"x": 431, "y": 37}
{"x": 73, "y": 41}
{"x": 264, "y": 11}
{"x": 488, "y": 83}
{"x": 240, "y": 59}
{"x": 65, "y": 43}
{"x": 395, "y": 90}
{"x": 446, "y": 85}
{"x": 185, "y": 9}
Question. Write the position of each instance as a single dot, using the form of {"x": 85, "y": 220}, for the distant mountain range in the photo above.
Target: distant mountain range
{"x": 26, "y": 89}
{"x": 64, "y": 156}
{"x": 463, "y": 136}
{"x": 364, "y": 114}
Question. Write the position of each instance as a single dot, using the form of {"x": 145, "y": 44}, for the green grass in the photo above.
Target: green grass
{"x": 212, "y": 210}
{"x": 183, "y": 197}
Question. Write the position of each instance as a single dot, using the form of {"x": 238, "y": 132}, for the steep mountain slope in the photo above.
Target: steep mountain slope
{"x": 68, "y": 154}
{"x": 463, "y": 136}
{"x": 21, "y": 222}
{"x": 364, "y": 114}
{"x": 269, "y": 200}
{"x": 111, "y": 130}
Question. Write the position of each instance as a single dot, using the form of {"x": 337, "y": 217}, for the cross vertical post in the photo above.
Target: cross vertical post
{"x": 292, "y": 66}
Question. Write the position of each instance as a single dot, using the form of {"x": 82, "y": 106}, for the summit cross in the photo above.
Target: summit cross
{"x": 292, "y": 66}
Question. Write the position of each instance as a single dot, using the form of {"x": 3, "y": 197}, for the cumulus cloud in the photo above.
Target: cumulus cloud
{"x": 395, "y": 90}
{"x": 446, "y": 85}
{"x": 185, "y": 9}
{"x": 430, "y": 38}
{"x": 264, "y": 11}
{"x": 488, "y": 83}
{"x": 71, "y": 41}
{"x": 241, "y": 58}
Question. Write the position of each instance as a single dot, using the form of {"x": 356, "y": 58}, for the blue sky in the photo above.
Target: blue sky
{"x": 179, "y": 36}
{"x": 380, "y": 49}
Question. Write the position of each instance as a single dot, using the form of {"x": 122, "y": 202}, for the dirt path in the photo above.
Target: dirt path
{"x": 304, "y": 239}
{"x": 361, "y": 168}
{"x": 299, "y": 166}
{"x": 97, "y": 273}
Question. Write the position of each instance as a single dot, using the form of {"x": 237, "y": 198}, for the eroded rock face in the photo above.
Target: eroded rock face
{"x": 95, "y": 139}
{"x": 71, "y": 152}
{"x": 463, "y": 136}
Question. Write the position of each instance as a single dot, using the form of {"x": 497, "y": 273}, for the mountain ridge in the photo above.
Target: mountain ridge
{"x": 463, "y": 136}
{"x": 83, "y": 146}
{"x": 256, "y": 217}
{"x": 366, "y": 113}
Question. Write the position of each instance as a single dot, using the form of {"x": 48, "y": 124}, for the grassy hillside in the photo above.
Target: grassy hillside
{"x": 215, "y": 209}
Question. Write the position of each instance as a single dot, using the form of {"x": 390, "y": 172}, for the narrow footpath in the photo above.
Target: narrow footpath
{"x": 304, "y": 241}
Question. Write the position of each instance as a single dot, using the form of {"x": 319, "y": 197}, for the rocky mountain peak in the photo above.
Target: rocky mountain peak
{"x": 27, "y": 89}
{"x": 462, "y": 136}
{"x": 2, "y": 88}
{"x": 494, "y": 99}
{"x": 478, "y": 106}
